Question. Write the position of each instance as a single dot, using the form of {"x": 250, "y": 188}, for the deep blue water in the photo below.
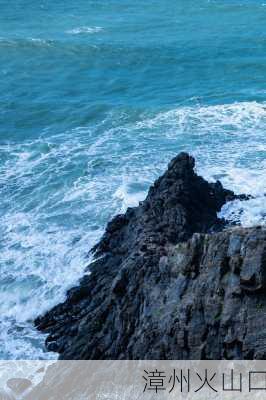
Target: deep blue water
{"x": 96, "y": 96}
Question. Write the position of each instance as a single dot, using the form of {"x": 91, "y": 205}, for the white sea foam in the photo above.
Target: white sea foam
{"x": 85, "y": 29}
{"x": 126, "y": 197}
{"x": 40, "y": 255}
{"x": 228, "y": 142}
{"x": 244, "y": 115}
{"x": 247, "y": 213}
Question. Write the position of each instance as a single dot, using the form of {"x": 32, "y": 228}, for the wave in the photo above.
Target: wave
{"x": 26, "y": 42}
{"x": 211, "y": 119}
{"x": 85, "y": 29}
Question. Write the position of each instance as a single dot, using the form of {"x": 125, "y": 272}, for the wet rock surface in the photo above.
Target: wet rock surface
{"x": 169, "y": 281}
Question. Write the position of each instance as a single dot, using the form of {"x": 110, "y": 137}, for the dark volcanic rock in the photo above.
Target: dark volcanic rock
{"x": 166, "y": 284}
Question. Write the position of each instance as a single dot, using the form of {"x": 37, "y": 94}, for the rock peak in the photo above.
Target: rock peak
{"x": 183, "y": 162}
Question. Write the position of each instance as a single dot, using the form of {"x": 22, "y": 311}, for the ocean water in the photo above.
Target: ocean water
{"x": 96, "y": 97}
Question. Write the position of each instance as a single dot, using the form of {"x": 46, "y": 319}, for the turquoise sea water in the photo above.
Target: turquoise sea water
{"x": 96, "y": 96}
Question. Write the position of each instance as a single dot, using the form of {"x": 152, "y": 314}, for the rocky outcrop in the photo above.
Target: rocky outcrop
{"x": 168, "y": 281}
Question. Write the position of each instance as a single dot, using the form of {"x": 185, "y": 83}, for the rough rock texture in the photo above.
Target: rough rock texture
{"x": 168, "y": 282}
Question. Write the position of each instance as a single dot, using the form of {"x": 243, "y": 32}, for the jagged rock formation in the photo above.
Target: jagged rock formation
{"x": 169, "y": 282}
